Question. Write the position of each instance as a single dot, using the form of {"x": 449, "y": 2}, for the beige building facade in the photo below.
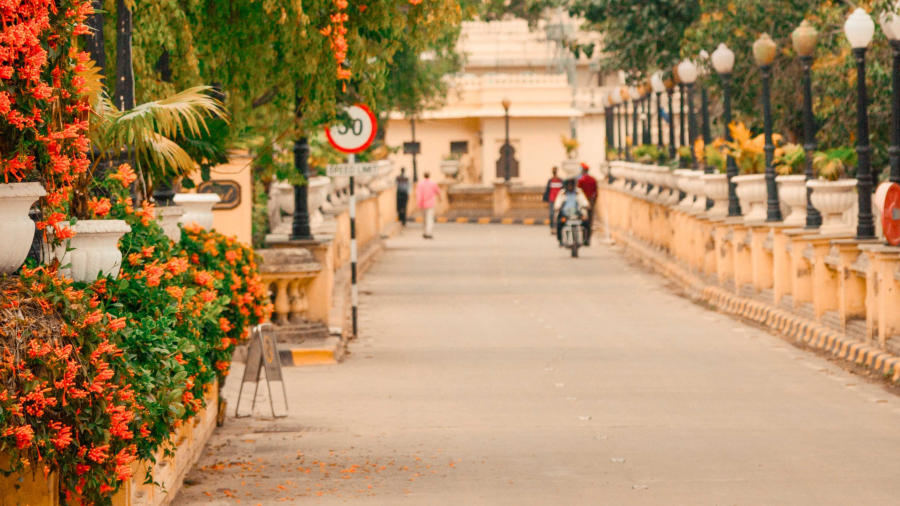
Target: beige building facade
{"x": 551, "y": 95}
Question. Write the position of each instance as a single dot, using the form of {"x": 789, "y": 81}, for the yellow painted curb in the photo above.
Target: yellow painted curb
{"x": 313, "y": 356}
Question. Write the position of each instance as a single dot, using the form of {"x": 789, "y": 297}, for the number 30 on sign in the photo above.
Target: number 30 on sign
{"x": 357, "y": 134}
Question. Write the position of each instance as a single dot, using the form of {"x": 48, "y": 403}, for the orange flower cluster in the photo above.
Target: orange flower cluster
{"x": 43, "y": 113}
{"x": 337, "y": 34}
{"x": 65, "y": 373}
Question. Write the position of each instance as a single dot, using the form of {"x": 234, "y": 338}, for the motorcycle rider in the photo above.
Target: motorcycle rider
{"x": 570, "y": 202}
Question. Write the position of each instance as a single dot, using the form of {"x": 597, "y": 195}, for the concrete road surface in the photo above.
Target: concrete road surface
{"x": 495, "y": 369}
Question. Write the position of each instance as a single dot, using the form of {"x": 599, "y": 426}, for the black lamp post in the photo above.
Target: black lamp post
{"x": 415, "y": 151}
{"x": 625, "y": 99}
{"x": 670, "y": 91}
{"x": 648, "y": 99}
{"x": 764, "y": 54}
{"x": 804, "y": 39}
{"x": 623, "y": 124}
{"x": 300, "y": 230}
{"x": 656, "y": 83}
{"x": 723, "y": 62}
{"x": 890, "y": 24}
{"x": 635, "y": 106}
{"x": 682, "y": 140}
{"x": 859, "y": 29}
{"x": 507, "y": 148}
{"x": 687, "y": 72}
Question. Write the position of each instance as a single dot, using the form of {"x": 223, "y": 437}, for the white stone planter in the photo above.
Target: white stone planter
{"x": 672, "y": 185}
{"x": 699, "y": 192}
{"x": 833, "y": 199}
{"x": 197, "y": 208}
{"x": 571, "y": 168}
{"x": 93, "y": 251}
{"x": 16, "y": 228}
{"x": 751, "y": 191}
{"x": 450, "y": 168}
{"x": 716, "y": 188}
{"x": 683, "y": 183}
{"x": 317, "y": 192}
{"x": 168, "y": 217}
{"x": 792, "y": 193}
{"x": 280, "y": 207}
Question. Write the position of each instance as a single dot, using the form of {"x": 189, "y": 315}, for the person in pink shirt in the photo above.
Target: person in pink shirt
{"x": 428, "y": 193}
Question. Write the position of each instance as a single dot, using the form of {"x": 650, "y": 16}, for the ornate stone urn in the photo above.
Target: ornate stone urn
{"x": 316, "y": 195}
{"x": 93, "y": 251}
{"x": 16, "y": 227}
{"x": 751, "y": 191}
{"x": 716, "y": 188}
{"x": 197, "y": 208}
{"x": 833, "y": 199}
{"x": 792, "y": 193}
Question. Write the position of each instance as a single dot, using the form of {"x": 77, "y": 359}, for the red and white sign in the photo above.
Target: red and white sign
{"x": 356, "y": 135}
{"x": 887, "y": 200}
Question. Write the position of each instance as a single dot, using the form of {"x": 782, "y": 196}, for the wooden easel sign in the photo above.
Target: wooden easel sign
{"x": 262, "y": 354}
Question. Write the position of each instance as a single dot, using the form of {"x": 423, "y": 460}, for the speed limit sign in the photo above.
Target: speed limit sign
{"x": 357, "y": 134}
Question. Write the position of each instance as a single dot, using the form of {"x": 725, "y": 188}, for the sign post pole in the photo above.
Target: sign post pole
{"x": 352, "y": 138}
{"x": 354, "y": 290}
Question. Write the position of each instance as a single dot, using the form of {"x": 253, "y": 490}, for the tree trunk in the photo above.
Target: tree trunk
{"x": 94, "y": 42}
{"x": 124, "y": 89}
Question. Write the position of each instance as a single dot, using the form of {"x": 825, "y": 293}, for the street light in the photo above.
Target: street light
{"x": 608, "y": 110}
{"x": 704, "y": 104}
{"x": 656, "y": 82}
{"x": 300, "y": 229}
{"x": 616, "y": 99}
{"x": 506, "y": 154}
{"x": 682, "y": 140}
{"x": 670, "y": 90}
{"x": 626, "y": 96}
{"x": 804, "y": 39}
{"x": 687, "y": 72}
{"x": 635, "y": 95}
{"x": 859, "y": 29}
{"x": 723, "y": 63}
{"x": 890, "y": 24}
{"x": 764, "y": 54}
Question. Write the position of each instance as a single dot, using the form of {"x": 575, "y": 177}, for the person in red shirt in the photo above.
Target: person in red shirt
{"x": 588, "y": 185}
{"x": 554, "y": 185}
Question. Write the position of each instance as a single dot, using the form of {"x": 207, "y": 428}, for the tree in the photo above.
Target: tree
{"x": 639, "y": 36}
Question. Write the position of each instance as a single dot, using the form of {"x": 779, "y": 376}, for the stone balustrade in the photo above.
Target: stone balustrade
{"x": 826, "y": 283}
{"x": 288, "y": 272}
{"x": 501, "y": 200}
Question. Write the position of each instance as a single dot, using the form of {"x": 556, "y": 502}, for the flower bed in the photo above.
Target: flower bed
{"x": 99, "y": 375}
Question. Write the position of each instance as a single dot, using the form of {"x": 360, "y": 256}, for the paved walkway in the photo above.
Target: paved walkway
{"x": 494, "y": 369}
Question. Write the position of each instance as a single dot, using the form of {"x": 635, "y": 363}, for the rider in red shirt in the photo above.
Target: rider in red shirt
{"x": 588, "y": 185}
{"x": 554, "y": 185}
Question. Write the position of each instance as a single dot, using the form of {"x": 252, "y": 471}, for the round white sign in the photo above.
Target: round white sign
{"x": 355, "y": 135}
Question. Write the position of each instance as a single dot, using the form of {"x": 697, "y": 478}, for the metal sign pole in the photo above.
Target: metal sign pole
{"x": 354, "y": 291}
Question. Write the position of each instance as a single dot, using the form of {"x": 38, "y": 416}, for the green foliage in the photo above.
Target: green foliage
{"x": 639, "y": 36}
{"x": 834, "y": 163}
{"x": 714, "y": 156}
{"x": 790, "y": 159}
{"x": 646, "y": 153}
{"x": 168, "y": 137}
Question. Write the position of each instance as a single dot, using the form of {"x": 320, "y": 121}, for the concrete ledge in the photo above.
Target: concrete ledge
{"x": 489, "y": 220}
{"x": 800, "y": 330}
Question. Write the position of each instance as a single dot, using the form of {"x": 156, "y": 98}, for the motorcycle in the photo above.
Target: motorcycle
{"x": 572, "y": 234}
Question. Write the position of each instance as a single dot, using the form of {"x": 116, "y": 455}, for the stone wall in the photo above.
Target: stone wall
{"x": 829, "y": 290}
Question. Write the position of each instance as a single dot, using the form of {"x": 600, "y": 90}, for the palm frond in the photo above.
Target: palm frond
{"x": 180, "y": 114}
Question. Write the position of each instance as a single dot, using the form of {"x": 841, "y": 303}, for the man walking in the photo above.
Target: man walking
{"x": 427, "y": 195}
{"x": 554, "y": 184}
{"x": 402, "y": 195}
{"x": 588, "y": 185}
